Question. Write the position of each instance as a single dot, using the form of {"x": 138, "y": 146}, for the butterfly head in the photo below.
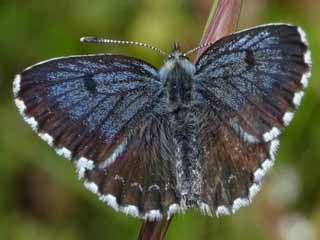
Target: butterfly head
{"x": 176, "y": 52}
{"x": 176, "y": 60}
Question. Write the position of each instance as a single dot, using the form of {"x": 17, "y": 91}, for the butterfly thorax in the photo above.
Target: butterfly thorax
{"x": 177, "y": 78}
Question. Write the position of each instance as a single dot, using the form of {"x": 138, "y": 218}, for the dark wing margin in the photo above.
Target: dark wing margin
{"x": 252, "y": 81}
{"x": 96, "y": 110}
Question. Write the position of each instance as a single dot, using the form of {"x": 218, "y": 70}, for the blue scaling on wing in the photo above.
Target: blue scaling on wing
{"x": 251, "y": 83}
{"x": 254, "y": 75}
{"x": 97, "y": 98}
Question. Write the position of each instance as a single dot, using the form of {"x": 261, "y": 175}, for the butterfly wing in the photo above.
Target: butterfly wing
{"x": 101, "y": 112}
{"x": 252, "y": 82}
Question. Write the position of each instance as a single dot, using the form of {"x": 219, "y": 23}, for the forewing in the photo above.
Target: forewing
{"x": 96, "y": 110}
{"x": 252, "y": 82}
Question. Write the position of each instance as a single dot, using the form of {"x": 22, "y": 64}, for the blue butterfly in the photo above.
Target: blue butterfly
{"x": 152, "y": 142}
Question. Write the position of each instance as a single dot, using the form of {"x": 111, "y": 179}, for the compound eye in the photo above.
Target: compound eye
{"x": 170, "y": 57}
{"x": 184, "y": 57}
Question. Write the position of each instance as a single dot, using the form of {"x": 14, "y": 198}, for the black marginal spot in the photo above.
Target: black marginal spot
{"x": 90, "y": 84}
{"x": 249, "y": 59}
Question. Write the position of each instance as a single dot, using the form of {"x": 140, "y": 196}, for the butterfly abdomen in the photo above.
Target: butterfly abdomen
{"x": 187, "y": 162}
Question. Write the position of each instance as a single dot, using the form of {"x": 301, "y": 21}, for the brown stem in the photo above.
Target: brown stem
{"x": 154, "y": 230}
{"x": 223, "y": 20}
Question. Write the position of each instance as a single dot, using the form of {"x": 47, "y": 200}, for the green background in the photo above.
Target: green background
{"x": 40, "y": 196}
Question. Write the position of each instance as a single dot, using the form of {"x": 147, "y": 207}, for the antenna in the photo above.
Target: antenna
{"x": 111, "y": 41}
{"x": 197, "y": 48}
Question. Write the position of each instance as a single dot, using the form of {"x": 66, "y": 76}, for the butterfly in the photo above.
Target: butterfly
{"x": 153, "y": 142}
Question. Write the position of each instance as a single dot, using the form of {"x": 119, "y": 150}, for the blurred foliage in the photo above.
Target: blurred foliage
{"x": 40, "y": 197}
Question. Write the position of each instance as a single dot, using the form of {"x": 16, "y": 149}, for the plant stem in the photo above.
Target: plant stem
{"x": 154, "y": 230}
{"x": 223, "y": 20}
